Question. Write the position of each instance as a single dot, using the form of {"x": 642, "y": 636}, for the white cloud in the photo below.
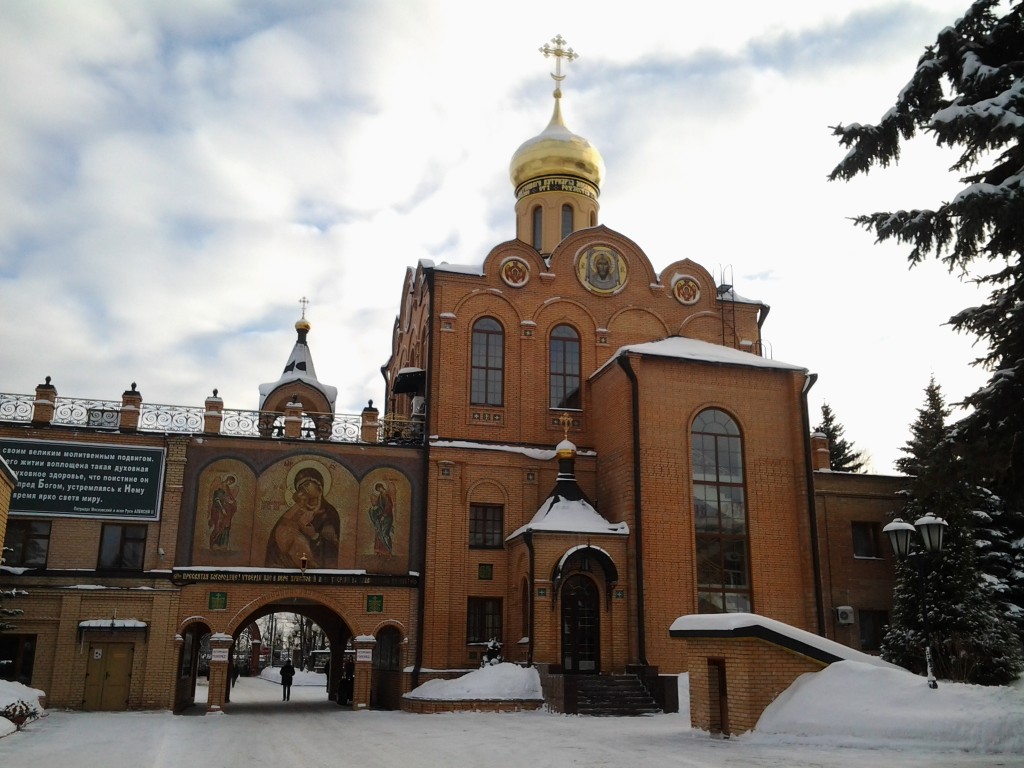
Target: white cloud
{"x": 173, "y": 179}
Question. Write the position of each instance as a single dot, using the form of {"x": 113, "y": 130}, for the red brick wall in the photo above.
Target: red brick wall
{"x": 862, "y": 583}
{"x": 756, "y": 673}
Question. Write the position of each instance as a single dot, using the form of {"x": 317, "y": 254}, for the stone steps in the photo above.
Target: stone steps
{"x": 613, "y": 696}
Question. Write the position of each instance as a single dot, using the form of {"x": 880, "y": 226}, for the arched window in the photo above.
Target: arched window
{"x": 566, "y": 220}
{"x": 720, "y": 515}
{"x": 565, "y": 368}
{"x": 488, "y": 363}
{"x": 538, "y": 228}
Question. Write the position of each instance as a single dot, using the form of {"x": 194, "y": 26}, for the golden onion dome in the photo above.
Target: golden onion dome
{"x": 302, "y": 324}
{"x": 556, "y": 151}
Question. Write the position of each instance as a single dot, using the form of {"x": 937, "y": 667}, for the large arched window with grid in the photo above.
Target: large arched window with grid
{"x": 565, "y": 368}
{"x": 488, "y": 363}
{"x": 720, "y": 515}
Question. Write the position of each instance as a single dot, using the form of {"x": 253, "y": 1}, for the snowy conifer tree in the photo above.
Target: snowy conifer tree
{"x": 968, "y": 94}
{"x": 971, "y": 640}
{"x": 842, "y": 457}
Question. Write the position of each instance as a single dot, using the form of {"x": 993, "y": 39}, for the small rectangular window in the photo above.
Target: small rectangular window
{"x": 27, "y": 543}
{"x": 486, "y": 526}
{"x": 867, "y": 540}
{"x": 483, "y": 619}
{"x": 122, "y": 547}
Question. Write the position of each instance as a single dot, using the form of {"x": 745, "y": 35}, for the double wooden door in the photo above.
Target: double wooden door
{"x": 108, "y": 676}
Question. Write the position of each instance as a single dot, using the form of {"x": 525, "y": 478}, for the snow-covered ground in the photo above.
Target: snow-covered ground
{"x": 848, "y": 716}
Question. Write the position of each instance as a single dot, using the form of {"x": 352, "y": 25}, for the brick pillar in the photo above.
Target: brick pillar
{"x": 131, "y": 407}
{"x": 368, "y": 429}
{"x": 220, "y": 645}
{"x": 46, "y": 397}
{"x": 364, "y": 671}
{"x": 819, "y": 452}
{"x": 214, "y": 414}
{"x": 293, "y": 418}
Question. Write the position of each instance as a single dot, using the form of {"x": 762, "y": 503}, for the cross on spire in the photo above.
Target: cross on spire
{"x": 305, "y": 303}
{"x": 566, "y": 420}
{"x": 559, "y": 51}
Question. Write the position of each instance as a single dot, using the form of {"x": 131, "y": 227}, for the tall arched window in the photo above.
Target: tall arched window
{"x": 566, "y": 220}
{"x": 720, "y": 515}
{"x": 538, "y": 228}
{"x": 565, "y": 368}
{"x": 488, "y": 363}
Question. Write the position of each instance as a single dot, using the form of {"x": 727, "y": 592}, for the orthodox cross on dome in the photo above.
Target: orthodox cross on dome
{"x": 566, "y": 421}
{"x": 305, "y": 303}
{"x": 559, "y": 51}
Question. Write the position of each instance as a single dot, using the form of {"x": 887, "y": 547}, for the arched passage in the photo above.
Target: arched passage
{"x": 223, "y": 643}
{"x": 334, "y": 626}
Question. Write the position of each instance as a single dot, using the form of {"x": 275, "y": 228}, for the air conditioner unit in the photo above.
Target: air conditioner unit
{"x": 419, "y": 406}
{"x": 845, "y": 614}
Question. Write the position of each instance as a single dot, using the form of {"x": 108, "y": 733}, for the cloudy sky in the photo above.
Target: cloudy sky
{"x": 174, "y": 176}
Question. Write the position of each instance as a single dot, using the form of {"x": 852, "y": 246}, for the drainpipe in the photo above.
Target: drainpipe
{"x": 809, "y": 471}
{"x": 528, "y": 539}
{"x": 634, "y": 387}
{"x": 421, "y": 598}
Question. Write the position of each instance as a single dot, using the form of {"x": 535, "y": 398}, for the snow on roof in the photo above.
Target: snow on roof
{"x": 299, "y": 368}
{"x": 462, "y": 269}
{"x": 495, "y": 681}
{"x": 5, "y": 468}
{"x": 540, "y": 454}
{"x": 566, "y": 516}
{"x": 682, "y": 348}
{"x": 107, "y": 623}
{"x": 731, "y": 622}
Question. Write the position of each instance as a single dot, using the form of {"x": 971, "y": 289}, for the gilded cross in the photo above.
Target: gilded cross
{"x": 566, "y": 421}
{"x": 305, "y": 303}
{"x": 559, "y": 52}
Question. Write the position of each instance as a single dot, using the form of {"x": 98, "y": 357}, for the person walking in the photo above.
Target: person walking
{"x": 287, "y": 675}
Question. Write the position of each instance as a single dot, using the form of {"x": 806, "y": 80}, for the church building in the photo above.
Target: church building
{"x": 575, "y": 449}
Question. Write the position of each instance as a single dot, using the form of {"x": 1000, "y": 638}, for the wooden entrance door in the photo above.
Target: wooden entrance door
{"x": 581, "y": 626}
{"x": 718, "y": 697}
{"x": 108, "y": 676}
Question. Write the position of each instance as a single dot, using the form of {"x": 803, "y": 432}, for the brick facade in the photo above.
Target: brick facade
{"x": 224, "y": 549}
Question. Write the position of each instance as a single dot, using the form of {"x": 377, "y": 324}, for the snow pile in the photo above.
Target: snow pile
{"x": 12, "y": 693}
{"x": 852, "y": 703}
{"x": 497, "y": 681}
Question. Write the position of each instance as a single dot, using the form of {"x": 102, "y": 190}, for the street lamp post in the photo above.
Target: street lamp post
{"x": 932, "y": 530}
